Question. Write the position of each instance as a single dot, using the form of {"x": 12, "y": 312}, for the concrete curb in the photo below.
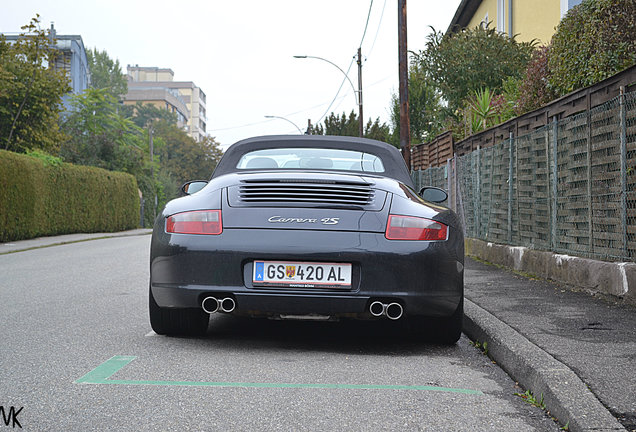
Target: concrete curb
{"x": 611, "y": 278}
{"x": 565, "y": 395}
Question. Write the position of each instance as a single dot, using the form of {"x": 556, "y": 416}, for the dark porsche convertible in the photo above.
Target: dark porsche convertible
{"x": 308, "y": 227}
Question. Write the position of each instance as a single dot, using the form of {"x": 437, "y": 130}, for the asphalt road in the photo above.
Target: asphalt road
{"x": 78, "y": 353}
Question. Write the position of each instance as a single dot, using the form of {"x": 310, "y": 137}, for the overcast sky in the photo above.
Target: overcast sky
{"x": 240, "y": 52}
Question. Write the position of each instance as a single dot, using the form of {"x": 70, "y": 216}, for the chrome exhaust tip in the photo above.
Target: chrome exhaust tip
{"x": 394, "y": 311}
{"x": 210, "y": 305}
{"x": 228, "y": 304}
{"x": 377, "y": 308}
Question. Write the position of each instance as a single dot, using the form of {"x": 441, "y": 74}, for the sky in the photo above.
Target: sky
{"x": 240, "y": 52}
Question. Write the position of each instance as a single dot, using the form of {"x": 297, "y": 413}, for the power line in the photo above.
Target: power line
{"x": 267, "y": 121}
{"x": 367, "y": 24}
{"x": 338, "y": 92}
{"x": 350, "y": 64}
{"x": 240, "y": 126}
{"x": 377, "y": 32}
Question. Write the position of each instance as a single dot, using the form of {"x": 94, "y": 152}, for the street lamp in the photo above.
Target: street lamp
{"x": 356, "y": 93}
{"x": 283, "y": 118}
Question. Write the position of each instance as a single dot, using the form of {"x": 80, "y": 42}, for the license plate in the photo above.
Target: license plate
{"x": 302, "y": 274}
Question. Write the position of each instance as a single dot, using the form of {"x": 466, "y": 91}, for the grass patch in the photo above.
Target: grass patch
{"x": 532, "y": 400}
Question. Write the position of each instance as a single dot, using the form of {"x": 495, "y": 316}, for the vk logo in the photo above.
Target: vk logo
{"x": 11, "y": 417}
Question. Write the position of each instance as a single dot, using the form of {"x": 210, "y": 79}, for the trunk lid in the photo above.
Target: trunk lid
{"x": 320, "y": 202}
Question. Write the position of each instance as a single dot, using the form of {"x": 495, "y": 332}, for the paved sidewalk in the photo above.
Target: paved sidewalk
{"x": 39, "y": 242}
{"x": 557, "y": 342}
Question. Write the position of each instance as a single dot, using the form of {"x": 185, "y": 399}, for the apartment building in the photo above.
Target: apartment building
{"x": 156, "y": 86}
{"x": 72, "y": 60}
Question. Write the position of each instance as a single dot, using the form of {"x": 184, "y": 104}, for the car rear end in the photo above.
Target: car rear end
{"x": 330, "y": 245}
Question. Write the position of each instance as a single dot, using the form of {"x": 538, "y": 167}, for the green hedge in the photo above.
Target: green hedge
{"x": 595, "y": 40}
{"x": 39, "y": 198}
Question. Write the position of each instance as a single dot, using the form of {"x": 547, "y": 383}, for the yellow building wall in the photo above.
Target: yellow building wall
{"x": 154, "y": 75}
{"x": 158, "y": 104}
{"x": 535, "y": 19}
{"x": 486, "y": 7}
{"x": 531, "y": 19}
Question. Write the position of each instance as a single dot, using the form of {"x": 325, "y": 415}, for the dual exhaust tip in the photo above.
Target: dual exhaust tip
{"x": 212, "y": 305}
{"x": 392, "y": 311}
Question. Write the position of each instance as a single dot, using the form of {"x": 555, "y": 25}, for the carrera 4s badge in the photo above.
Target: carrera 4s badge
{"x": 324, "y": 221}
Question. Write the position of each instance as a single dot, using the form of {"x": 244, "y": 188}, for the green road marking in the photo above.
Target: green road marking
{"x": 102, "y": 373}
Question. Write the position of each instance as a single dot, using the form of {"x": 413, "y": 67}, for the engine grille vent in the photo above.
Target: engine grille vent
{"x": 332, "y": 193}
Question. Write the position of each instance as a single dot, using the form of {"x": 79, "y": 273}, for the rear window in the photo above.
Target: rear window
{"x": 311, "y": 158}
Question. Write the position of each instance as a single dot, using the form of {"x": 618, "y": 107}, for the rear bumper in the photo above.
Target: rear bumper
{"x": 425, "y": 277}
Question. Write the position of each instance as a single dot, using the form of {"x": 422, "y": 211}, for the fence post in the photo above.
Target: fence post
{"x": 623, "y": 126}
{"x": 510, "y": 187}
{"x": 589, "y": 174}
{"x": 490, "y": 179}
{"x": 455, "y": 191}
{"x": 458, "y": 188}
{"x": 449, "y": 184}
{"x": 547, "y": 183}
{"x": 555, "y": 173}
{"x": 477, "y": 196}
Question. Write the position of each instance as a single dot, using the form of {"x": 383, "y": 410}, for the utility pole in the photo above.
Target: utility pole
{"x": 405, "y": 126}
{"x": 361, "y": 117}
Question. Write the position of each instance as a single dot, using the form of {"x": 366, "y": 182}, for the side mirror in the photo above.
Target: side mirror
{"x": 433, "y": 194}
{"x": 193, "y": 186}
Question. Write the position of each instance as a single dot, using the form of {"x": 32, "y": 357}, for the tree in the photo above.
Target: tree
{"x": 30, "y": 91}
{"x": 348, "y": 126}
{"x": 595, "y": 40}
{"x": 181, "y": 156}
{"x": 144, "y": 114}
{"x": 461, "y": 63}
{"x": 106, "y": 74}
{"x": 98, "y": 135}
{"x": 425, "y": 109}
{"x": 377, "y": 131}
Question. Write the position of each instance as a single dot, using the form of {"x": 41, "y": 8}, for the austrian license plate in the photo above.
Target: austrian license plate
{"x": 302, "y": 274}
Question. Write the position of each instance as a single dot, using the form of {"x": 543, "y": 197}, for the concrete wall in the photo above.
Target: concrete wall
{"x": 615, "y": 279}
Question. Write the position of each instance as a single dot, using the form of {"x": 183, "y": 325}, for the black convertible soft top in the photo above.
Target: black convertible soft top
{"x": 391, "y": 157}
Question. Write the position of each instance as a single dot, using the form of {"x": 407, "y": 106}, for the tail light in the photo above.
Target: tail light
{"x": 415, "y": 228}
{"x": 206, "y": 222}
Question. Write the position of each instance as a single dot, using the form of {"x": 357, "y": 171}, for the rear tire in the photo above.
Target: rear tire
{"x": 445, "y": 331}
{"x": 177, "y": 322}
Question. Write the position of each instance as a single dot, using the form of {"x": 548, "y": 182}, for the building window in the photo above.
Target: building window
{"x": 501, "y": 16}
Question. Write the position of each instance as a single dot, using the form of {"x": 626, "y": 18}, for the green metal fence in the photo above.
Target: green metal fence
{"x": 569, "y": 187}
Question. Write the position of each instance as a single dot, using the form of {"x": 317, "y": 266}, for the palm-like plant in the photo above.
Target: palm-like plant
{"x": 481, "y": 111}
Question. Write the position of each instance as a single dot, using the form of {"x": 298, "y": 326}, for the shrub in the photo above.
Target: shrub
{"x": 594, "y": 41}
{"x": 41, "y": 198}
{"x": 485, "y": 109}
{"x": 461, "y": 63}
{"x": 534, "y": 90}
